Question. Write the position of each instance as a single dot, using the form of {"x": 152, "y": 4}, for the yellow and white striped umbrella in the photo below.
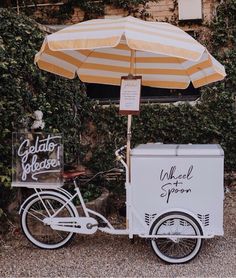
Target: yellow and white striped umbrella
{"x": 99, "y": 51}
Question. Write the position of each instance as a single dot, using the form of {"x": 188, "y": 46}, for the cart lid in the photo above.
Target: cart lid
{"x": 159, "y": 149}
{"x": 200, "y": 150}
{"x": 153, "y": 149}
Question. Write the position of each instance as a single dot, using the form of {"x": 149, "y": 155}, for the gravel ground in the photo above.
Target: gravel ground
{"x": 103, "y": 255}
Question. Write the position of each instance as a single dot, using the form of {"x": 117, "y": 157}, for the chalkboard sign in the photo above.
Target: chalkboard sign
{"x": 37, "y": 160}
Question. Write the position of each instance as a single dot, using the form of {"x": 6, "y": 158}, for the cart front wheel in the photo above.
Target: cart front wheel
{"x": 176, "y": 250}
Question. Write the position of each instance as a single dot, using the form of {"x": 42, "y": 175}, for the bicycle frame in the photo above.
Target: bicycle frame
{"x": 52, "y": 219}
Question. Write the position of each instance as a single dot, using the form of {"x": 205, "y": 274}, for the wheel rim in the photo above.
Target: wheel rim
{"x": 39, "y": 233}
{"x": 177, "y": 250}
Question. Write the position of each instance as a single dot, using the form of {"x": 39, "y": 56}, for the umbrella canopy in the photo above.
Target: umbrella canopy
{"x": 99, "y": 51}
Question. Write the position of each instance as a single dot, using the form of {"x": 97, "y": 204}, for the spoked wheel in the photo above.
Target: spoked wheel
{"x": 39, "y": 233}
{"x": 176, "y": 250}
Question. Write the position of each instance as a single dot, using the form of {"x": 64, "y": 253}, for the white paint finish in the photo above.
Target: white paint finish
{"x": 153, "y": 149}
{"x": 51, "y": 185}
{"x": 169, "y": 182}
{"x": 83, "y": 225}
{"x": 157, "y": 149}
{"x": 200, "y": 150}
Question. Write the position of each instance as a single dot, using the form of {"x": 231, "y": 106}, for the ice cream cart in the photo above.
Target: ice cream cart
{"x": 174, "y": 198}
{"x": 176, "y": 189}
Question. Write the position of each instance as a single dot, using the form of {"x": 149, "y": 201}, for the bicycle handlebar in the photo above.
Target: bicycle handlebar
{"x": 117, "y": 153}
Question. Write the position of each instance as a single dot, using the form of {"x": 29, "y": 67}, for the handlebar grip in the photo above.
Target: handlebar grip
{"x": 120, "y": 150}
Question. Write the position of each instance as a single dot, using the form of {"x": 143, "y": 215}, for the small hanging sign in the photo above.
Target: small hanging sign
{"x": 130, "y": 91}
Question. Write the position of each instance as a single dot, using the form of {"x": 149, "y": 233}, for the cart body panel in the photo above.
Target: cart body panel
{"x": 177, "y": 177}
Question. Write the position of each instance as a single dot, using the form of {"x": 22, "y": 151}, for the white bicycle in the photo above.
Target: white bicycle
{"x": 49, "y": 219}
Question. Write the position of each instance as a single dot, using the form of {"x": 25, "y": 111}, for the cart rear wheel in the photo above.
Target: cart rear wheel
{"x": 176, "y": 250}
{"x": 36, "y": 231}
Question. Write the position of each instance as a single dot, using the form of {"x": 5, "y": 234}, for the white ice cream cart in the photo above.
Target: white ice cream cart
{"x": 174, "y": 198}
{"x": 186, "y": 178}
{"x": 176, "y": 189}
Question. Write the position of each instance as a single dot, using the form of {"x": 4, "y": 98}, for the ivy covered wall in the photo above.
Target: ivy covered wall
{"x": 24, "y": 88}
{"x": 92, "y": 132}
{"x": 74, "y": 11}
{"x": 211, "y": 121}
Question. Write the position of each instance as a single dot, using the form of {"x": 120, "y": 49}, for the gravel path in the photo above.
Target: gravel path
{"x": 103, "y": 255}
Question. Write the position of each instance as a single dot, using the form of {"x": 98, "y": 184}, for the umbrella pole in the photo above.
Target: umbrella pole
{"x": 129, "y": 122}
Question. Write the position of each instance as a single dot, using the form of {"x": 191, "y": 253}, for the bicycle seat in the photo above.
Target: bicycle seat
{"x": 72, "y": 174}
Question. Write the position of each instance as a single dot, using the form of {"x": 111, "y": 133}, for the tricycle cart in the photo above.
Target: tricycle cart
{"x": 174, "y": 199}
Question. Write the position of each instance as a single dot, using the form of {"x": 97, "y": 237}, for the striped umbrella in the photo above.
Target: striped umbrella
{"x": 98, "y": 51}
{"x": 103, "y": 50}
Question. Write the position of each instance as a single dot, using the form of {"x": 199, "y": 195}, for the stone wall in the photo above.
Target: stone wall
{"x": 162, "y": 10}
